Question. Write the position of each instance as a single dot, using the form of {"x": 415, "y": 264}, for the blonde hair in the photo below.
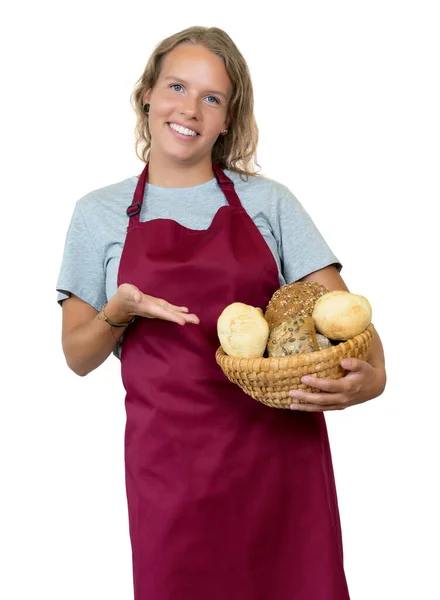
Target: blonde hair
{"x": 235, "y": 151}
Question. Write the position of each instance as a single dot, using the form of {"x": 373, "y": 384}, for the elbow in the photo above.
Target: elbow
{"x": 75, "y": 362}
{"x": 78, "y": 369}
{"x": 80, "y": 373}
{"x": 381, "y": 380}
{"x": 384, "y": 379}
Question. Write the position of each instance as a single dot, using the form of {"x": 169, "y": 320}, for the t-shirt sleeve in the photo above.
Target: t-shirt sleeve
{"x": 82, "y": 269}
{"x": 302, "y": 248}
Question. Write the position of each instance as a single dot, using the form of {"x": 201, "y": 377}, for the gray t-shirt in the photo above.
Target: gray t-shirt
{"x": 99, "y": 223}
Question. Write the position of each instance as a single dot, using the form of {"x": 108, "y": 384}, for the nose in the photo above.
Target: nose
{"x": 190, "y": 107}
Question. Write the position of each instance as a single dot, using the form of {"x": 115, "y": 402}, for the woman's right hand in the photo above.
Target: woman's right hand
{"x": 129, "y": 302}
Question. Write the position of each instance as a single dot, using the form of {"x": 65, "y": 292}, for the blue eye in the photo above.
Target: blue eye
{"x": 177, "y": 87}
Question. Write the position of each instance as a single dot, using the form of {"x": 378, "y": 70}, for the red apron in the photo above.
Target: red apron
{"x": 228, "y": 499}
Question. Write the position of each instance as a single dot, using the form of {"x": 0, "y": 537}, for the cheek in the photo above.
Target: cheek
{"x": 214, "y": 119}
{"x": 161, "y": 109}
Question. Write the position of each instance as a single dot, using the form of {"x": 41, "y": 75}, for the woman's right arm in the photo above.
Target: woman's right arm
{"x": 87, "y": 340}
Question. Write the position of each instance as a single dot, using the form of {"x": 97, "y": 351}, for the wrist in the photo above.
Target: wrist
{"x": 114, "y": 316}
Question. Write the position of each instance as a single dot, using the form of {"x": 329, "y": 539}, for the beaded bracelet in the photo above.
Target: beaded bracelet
{"x": 103, "y": 317}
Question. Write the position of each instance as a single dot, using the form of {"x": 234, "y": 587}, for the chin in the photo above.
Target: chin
{"x": 179, "y": 154}
{"x": 189, "y": 158}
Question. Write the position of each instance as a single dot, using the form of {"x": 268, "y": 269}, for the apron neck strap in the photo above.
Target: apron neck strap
{"x": 134, "y": 209}
{"x": 227, "y": 186}
{"x": 223, "y": 180}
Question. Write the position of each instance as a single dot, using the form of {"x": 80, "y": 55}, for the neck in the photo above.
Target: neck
{"x": 166, "y": 173}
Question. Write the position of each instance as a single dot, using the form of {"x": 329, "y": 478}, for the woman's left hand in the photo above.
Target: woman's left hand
{"x": 362, "y": 382}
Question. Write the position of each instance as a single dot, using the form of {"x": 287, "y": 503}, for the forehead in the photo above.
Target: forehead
{"x": 198, "y": 65}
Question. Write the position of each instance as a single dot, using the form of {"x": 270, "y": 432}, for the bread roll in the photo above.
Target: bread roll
{"x": 323, "y": 342}
{"x": 293, "y": 300}
{"x": 293, "y": 336}
{"x": 243, "y": 331}
{"x": 341, "y": 315}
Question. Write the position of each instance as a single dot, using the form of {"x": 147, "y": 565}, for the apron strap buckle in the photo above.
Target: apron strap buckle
{"x": 134, "y": 209}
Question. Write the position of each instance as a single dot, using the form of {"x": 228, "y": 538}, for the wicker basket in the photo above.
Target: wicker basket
{"x": 269, "y": 380}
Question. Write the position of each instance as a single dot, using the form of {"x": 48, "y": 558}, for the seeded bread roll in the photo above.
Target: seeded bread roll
{"x": 293, "y": 336}
{"x": 293, "y": 300}
{"x": 242, "y": 331}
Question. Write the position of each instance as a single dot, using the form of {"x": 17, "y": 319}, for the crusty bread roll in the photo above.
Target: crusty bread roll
{"x": 341, "y": 315}
{"x": 292, "y": 336}
{"x": 243, "y": 331}
{"x": 323, "y": 342}
{"x": 293, "y": 300}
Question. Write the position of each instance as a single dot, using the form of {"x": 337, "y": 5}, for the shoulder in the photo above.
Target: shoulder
{"x": 111, "y": 198}
{"x": 100, "y": 215}
{"x": 263, "y": 193}
{"x": 258, "y": 182}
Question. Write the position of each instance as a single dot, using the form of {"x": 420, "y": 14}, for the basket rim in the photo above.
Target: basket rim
{"x": 295, "y": 360}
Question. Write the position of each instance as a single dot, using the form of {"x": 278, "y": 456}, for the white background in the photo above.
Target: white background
{"x": 347, "y": 102}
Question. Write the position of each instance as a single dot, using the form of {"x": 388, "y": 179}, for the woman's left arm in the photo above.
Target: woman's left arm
{"x": 363, "y": 381}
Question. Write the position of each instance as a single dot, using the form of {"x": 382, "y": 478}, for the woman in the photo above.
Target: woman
{"x": 228, "y": 499}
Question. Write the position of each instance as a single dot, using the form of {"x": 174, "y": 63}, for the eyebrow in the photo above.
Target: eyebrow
{"x": 180, "y": 80}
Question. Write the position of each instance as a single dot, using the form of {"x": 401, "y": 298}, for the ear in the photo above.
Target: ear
{"x": 147, "y": 95}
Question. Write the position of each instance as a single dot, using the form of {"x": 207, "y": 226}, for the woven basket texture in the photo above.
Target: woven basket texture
{"x": 269, "y": 380}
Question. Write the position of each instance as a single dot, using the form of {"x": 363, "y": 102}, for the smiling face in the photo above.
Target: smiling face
{"x": 188, "y": 105}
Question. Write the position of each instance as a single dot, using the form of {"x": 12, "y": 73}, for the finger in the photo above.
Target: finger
{"x": 187, "y": 316}
{"x": 179, "y": 308}
{"x": 324, "y": 398}
{"x": 353, "y": 364}
{"x": 326, "y": 385}
{"x": 183, "y": 311}
{"x": 192, "y": 319}
{"x": 166, "y": 315}
{"x": 174, "y": 307}
{"x": 315, "y": 407}
{"x": 176, "y": 316}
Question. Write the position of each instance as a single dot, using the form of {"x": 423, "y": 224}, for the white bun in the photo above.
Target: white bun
{"x": 341, "y": 315}
{"x": 243, "y": 331}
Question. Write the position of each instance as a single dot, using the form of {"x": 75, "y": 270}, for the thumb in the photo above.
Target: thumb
{"x": 136, "y": 295}
{"x": 352, "y": 364}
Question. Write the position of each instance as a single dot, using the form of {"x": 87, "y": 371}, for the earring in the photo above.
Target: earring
{"x": 224, "y": 132}
{"x": 146, "y": 108}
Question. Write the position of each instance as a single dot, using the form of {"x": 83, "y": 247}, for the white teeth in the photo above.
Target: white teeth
{"x": 182, "y": 130}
